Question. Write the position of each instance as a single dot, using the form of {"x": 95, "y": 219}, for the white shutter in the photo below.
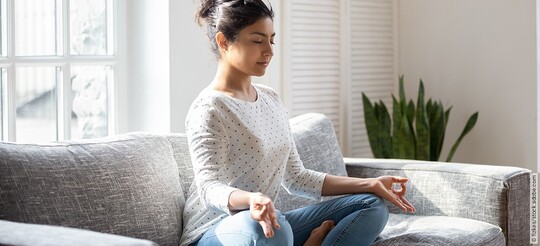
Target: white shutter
{"x": 372, "y": 64}
{"x": 312, "y": 61}
{"x": 333, "y": 50}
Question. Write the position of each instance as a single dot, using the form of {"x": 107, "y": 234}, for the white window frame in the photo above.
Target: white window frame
{"x": 63, "y": 60}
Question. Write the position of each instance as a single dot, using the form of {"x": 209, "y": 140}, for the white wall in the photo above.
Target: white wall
{"x": 146, "y": 90}
{"x": 477, "y": 56}
{"x": 193, "y": 65}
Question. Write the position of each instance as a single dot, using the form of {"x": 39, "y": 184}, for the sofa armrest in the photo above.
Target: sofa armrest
{"x": 14, "y": 233}
{"x": 495, "y": 194}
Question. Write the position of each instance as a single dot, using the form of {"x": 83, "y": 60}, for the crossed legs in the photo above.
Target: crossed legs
{"x": 348, "y": 220}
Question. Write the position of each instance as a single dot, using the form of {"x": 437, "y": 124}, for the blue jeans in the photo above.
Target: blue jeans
{"x": 358, "y": 219}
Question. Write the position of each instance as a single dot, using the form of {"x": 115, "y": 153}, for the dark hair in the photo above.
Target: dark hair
{"x": 230, "y": 17}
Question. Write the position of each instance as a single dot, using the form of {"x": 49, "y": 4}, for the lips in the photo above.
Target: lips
{"x": 263, "y": 63}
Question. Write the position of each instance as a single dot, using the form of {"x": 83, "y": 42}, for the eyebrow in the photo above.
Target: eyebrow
{"x": 263, "y": 34}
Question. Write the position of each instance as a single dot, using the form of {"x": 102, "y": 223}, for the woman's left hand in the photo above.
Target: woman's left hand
{"x": 383, "y": 187}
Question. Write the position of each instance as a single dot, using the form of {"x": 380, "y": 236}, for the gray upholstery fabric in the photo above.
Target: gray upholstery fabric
{"x": 183, "y": 160}
{"x": 498, "y": 195}
{"x": 12, "y": 233}
{"x": 438, "y": 230}
{"x": 319, "y": 150}
{"x": 126, "y": 185}
{"x": 518, "y": 190}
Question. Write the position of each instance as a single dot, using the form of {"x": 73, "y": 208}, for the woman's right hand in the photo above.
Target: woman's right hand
{"x": 262, "y": 210}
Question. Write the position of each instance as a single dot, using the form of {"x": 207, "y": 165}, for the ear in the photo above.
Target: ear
{"x": 221, "y": 41}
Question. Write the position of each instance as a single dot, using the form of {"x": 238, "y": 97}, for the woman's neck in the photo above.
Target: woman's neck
{"x": 233, "y": 83}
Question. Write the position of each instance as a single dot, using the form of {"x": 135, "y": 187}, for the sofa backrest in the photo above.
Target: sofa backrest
{"x": 180, "y": 149}
{"x": 126, "y": 185}
{"x": 319, "y": 150}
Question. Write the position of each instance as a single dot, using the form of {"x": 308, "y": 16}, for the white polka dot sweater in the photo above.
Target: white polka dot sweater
{"x": 235, "y": 144}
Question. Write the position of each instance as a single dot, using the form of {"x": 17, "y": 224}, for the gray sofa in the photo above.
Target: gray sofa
{"x": 130, "y": 190}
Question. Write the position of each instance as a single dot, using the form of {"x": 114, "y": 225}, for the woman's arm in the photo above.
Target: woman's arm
{"x": 381, "y": 186}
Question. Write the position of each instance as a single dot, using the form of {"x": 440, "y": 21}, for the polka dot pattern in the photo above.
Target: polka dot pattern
{"x": 236, "y": 144}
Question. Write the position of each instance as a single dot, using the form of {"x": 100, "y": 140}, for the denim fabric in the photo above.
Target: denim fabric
{"x": 240, "y": 229}
{"x": 359, "y": 220}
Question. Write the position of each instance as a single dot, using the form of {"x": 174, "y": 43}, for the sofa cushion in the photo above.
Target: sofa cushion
{"x": 180, "y": 148}
{"x": 319, "y": 150}
{"x": 406, "y": 230}
{"x": 14, "y": 233}
{"x": 440, "y": 188}
{"x": 126, "y": 185}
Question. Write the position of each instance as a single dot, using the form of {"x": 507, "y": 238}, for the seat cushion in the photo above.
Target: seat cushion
{"x": 438, "y": 230}
{"x": 126, "y": 185}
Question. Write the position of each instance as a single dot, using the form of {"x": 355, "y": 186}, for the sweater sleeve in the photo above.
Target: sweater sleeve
{"x": 208, "y": 146}
{"x": 297, "y": 179}
{"x": 301, "y": 181}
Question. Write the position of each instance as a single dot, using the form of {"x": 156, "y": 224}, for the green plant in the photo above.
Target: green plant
{"x": 415, "y": 132}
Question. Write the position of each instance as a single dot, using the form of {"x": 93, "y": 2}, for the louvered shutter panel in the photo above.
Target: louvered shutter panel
{"x": 373, "y": 69}
{"x": 313, "y": 80}
{"x": 321, "y": 77}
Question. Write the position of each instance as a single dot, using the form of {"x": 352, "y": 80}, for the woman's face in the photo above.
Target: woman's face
{"x": 252, "y": 51}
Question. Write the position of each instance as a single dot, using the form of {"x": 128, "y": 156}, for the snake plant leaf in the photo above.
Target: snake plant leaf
{"x": 429, "y": 108}
{"x": 404, "y": 143}
{"x": 385, "y": 135}
{"x": 397, "y": 116}
{"x": 468, "y": 127}
{"x": 402, "y": 89}
{"x": 410, "y": 113}
{"x": 370, "y": 119}
{"x": 447, "y": 114}
{"x": 446, "y": 118}
{"x": 397, "y": 112}
{"x": 422, "y": 127}
{"x": 437, "y": 126}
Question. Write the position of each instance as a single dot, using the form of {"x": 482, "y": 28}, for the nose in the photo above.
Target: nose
{"x": 269, "y": 50}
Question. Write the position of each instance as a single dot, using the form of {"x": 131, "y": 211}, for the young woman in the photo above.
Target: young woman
{"x": 242, "y": 152}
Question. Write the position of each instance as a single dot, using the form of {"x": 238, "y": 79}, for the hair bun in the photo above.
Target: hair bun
{"x": 205, "y": 10}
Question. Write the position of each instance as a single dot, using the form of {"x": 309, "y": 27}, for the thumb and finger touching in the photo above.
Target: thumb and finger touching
{"x": 396, "y": 196}
{"x": 263, "y": 211}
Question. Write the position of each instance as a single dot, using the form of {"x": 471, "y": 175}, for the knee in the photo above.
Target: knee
{"x": 250, "y": 232}
{"x": 378, "y": 209}
{"x": 283, "y": 236}
{"x": 373, "y": 206}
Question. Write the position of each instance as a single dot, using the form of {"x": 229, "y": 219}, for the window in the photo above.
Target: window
{"x": 57, "y": 65}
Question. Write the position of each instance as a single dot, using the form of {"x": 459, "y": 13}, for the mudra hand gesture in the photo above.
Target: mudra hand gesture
{"x": 383, "y": 187}
{"x": 262, "y": 210}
